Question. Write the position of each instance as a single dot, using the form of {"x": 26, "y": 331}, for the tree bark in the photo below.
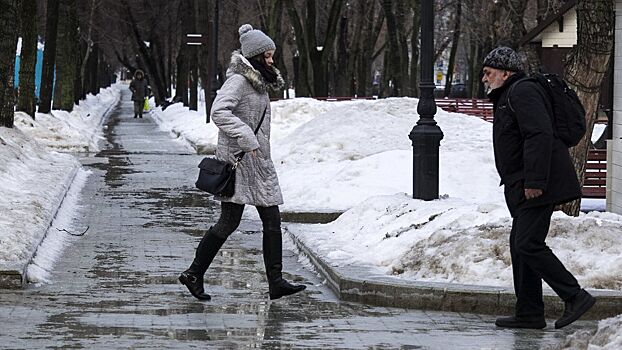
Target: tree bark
{"x": 26, "y": 101}
{"x": 302, "y": 79}
{"x": 454, "y": 48}
{"x": 414, "y": 50}
{"x": 313, "y": 54}
{"x": 49, "y": 57}
{"x": 394, "y": 64}
{"x": 586, "y": 67}
{"x": 66, "y": 56}
{"x": 8, "y": 45}
{"x": 89, "y": 48}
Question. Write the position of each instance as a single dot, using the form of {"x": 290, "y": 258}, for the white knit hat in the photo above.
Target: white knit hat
{"x": 254, "y": 41}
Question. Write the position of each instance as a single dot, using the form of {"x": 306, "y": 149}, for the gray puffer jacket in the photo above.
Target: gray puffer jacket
{"x": 236, "y": 111}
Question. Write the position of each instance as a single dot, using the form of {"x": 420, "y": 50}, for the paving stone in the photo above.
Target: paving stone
{"x": 116, "y": 287}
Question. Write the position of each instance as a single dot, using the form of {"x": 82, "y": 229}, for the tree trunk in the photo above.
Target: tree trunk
{"x": 414, "y": 50}
{"x": 314, "y": 54}
{"x": 66, "y": 56}
{"x": 49, "y": 57}
{"x": 301, "y": 61}
{"x": 273, "y": 26}
{"x": 8, "y": 45}
{"x": 94, "y": 59}
{"x": 454, "y": 49}
{"x": 342, "y": 75}
{"x": 89, "y": 48}
{"x": 26, "y": 101}
{"x": 587, "y": 64}
{"x": 193, "y": 85}
{"x": 393, "y": 65}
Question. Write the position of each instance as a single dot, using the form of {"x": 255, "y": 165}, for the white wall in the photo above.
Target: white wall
{"x": 614, "y": 147}
{"x": 568, "y": 38}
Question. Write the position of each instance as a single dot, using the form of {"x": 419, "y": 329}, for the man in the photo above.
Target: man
{"x": 537, "y": 174}
{"x": 140, "y": 91}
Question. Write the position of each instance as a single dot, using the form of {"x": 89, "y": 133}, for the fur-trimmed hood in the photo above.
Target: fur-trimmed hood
{"x": 240, "y": 65}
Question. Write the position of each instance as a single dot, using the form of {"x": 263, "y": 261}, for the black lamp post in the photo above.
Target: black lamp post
{"x": 426, "y": 135}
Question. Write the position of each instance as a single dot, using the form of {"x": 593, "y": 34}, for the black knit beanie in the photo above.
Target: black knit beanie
{"x": 504, "y": 58}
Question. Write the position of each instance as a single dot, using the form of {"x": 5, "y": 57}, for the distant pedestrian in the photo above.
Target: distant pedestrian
{"x": 140, "y": 91}
{"x": 237, "y": 110}
{"x": 537, "y": 174}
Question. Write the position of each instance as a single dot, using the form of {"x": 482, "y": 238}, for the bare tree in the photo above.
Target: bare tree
{"x": 8, "y": 44}
{"x": 314, "y": 49}
{"x": 49, "y": 57}
{"x": 586, "y": 67}
{"x": 67, "y": 56}
{"x": 28, "y": 58}
{"x": 454, "y": 47}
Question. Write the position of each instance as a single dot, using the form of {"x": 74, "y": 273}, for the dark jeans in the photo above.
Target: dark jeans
{"x": 533, "y": 261}
{"x": 231, "y": 214}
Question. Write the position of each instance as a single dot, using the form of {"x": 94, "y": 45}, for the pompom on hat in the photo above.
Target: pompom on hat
{"x": 504, "y": 58}
{"x": 254, "y": 41}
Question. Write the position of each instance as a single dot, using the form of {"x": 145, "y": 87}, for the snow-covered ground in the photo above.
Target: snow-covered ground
{"x": 33, "y": 172}
{"x": 352, "y": 156}
{"x": 355, "y": 156}
{"x": 608, "y": 336}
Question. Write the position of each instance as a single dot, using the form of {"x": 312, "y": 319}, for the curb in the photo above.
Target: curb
{"x": 13, "y": 275}
{"x": 359, "y": 284}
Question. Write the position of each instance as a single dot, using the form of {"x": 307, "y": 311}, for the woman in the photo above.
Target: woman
{"x": 237, "y": 110}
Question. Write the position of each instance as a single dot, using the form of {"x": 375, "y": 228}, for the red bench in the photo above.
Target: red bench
{"x": 595, "y": 178}
{"x": 471, "y": 106}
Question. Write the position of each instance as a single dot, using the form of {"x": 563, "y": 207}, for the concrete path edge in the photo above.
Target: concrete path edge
{"x": 13, "y": 275}
{"x": 359, "y": 284}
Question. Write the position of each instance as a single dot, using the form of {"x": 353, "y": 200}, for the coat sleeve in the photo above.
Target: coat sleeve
{"x": 225, "y": 102}
{"x": 534, "y": 122}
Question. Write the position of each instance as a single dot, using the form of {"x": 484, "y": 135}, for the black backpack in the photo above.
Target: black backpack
{"x": 568, "y": 112}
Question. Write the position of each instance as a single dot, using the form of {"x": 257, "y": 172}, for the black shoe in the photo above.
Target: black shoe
{"x": 283, "y": 288}
{"x": 141, "y": 117}
{"x": 575, "y": 308}
{"x": 521, "y": 322}
{"x": 135, "y": 116}
{"x": 195, "y": 285}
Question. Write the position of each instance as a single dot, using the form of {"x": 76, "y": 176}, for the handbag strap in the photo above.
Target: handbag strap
{"x": 240, "y": 155}
{"x": 261, "y": 121}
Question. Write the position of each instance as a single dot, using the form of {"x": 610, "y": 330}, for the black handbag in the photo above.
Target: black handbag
{"x": 217, "y": 176}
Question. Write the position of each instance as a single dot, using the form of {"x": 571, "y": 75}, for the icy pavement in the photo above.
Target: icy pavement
{"x": 116, "y": 287}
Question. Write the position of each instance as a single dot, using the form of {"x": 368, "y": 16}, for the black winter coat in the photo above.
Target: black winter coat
{"x": 139, "y": 88}
{"x": 527, "y": 154}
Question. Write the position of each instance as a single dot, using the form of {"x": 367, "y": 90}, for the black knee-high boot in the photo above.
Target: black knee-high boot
{"x": 192, "y": 278}
{"x": 273, "y": 260}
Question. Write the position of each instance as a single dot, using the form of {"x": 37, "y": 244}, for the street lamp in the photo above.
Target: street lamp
{"x": 426, "y": 135}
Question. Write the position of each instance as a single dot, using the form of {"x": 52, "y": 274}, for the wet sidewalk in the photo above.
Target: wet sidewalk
{"x": 116, "y": 287}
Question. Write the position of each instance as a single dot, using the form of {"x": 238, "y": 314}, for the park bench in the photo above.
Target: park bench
{"x": 595, "y": 178}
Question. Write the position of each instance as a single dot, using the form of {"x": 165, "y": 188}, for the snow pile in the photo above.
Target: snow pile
{"x": 453, "y": 240}
{"x": 360, "y": 149}
{"x": 35, "y": 176}
{"x": 607, "y": 337}
{"x": 188, "y": 126}
{"x": 31, "y": 180}
{"x": 78, "y": 131}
